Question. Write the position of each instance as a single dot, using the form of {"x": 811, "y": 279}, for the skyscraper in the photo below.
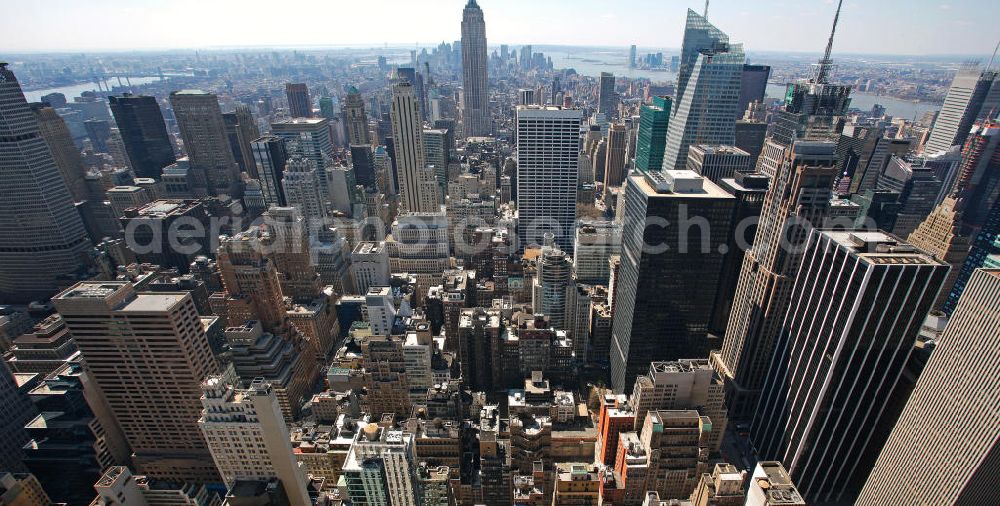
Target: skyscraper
{"x": 205, "y": 142}
{"x": 699, "y": 35}
{"x": 299, "y": 103}
{"x": 707, "y": 105}
{"x": 475, "y": 93}
{"x": 64, "y": 152}
{"x": 753, "y": 86}
{"x": 798, "y": 199}
{"x": 717, "y": 162}
{"x": 974, "y": 93}
{"x": 262, "y": 449}
{"x": 355, "y": 119}
{"x": 148, "y": 353}
{"x": 949, "y": 415}
{"x": 553, "y": 283}
{"x": 270, "y": 157}
{"x": 800, "y": 157}
{"x": 303, "y": 190}
{"x": 652, "y": 137}
{"x": 140, "y": 123}
{"x": 241, "y": 128}
{"x": 615, "y": 165}
{"x": 833, "y": 371}
{"x": 308, "y": 136}
{"x": 417, "y": 183}
{"x": 41, "y": 234}
{"x": 548, "y": 145}
{"x": 607, "y": 101}
{"x": 669, "y": 273}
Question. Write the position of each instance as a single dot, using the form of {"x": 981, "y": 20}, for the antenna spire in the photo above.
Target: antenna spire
{"x": 826, "y": 62}
{"x": 994, "y": 57}
{"x": 706, "y": 10}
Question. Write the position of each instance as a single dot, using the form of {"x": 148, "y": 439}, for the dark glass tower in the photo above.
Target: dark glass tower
{"x": 140, "y": 123}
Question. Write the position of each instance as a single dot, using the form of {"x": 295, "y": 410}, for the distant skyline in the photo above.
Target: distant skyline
{"x": 911, "y": 27}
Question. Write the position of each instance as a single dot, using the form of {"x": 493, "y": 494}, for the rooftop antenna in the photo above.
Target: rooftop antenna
{"x": 826, "y": 62}
{"x": 706, "y": 10}
{"x": 994, "y": 57}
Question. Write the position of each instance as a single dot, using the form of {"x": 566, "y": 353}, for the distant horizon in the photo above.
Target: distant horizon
{"x": 885, "y": 27}
{"x": 983, "y": 57}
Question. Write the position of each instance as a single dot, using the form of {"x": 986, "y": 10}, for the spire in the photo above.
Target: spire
{"x": 988, "y": 66}
{"x": 472, "y": 5}
{"x": 826, "y": 62}
{"x": 705, "y": 15}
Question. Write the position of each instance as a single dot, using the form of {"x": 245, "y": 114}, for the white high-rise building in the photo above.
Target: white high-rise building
{"x": 248, "y": 437}
{"x": 41, "y": 233}
{"x": 419, "y": 245}
{"x": 475, "y": 95}
{"x": 381, "y": 310}
{"x": 548, "y": 162}
{"x": 369, "y": 266}
{"x": 304, "y": 189}
{"x": 418, "y": 186}
{"x": 553, "y": 285}
{"x": 973, "y": 95}
{"x": 381, "y": 468}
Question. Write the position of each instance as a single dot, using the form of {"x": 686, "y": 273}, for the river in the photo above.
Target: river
{"x": 74, "y": 90}
{"x": 593, "y": 61}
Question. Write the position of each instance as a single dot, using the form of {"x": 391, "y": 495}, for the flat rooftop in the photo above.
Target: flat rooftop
{"x": 153, "y": 302}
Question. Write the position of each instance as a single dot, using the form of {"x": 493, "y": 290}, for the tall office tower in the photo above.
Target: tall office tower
{"x": 616, "y": 159}
{"x": 67, "y": 157}
{"x": 205, "y": 142}
{"x": 369, "y": 266}
{"x": 270, "y": 157}
{"x": 98, "y": 132}
{"x": 556, "y": 91}
{"x": 669, "y": 274}
{"x": 495, "y": 466}
{"x": 41, "y": 235}
{"x": 287, "y": 240}
{"x": 683, "y": 384}
{"x": 705, "y": 110}
{"x": 303, "y": 188}
{"x": 770, "y": 485}
{"x": 749, "y": 190}
{"x": 978, "y": 189}
{"x": 974, "y": 95}
{"x": 524, "y": 59}
{"x": 833, "y": 374}
{"x": 548, "y": 163}
{"x": 152, "y": 385}
{"x": 631, "y": 56}
{"x": 241, "y": 130}
{"x": 962, "y": 402}
{"x": 699, "y": 36}
{"x": 750, "y": 135}
{"x": 718, "y": 162}
{"x": 525, "y": 96}
{"x": 140, "y": 123}
{"x": 310, "y": 136}
{"x": 652, "y": 137}
{"x": 299, "y": 103}
{"x": 395, "y": 453}
{"x": 607, "y": 100}
{"x": 478, "y": 341}
{"x": 595, "y": 242}
{"x": 677, "y": 442}
{"x": 417, "y": 183}
{"x": 355, "y": 119}
{"x": 476, "y": 117}
{"x": 16, "y": 410}
{"x": 753, "y": 86}
{"x": 436, "y": 153}
{"x": 419, "y": 245}
{"x": 798, "y": 199}
{"x": 552, "y": 285}
{"x": 251, "y": 281}
{"x": 262, "y": 448}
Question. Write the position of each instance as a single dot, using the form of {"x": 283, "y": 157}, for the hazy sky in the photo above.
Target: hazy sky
{"x": 868, "y": 26}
